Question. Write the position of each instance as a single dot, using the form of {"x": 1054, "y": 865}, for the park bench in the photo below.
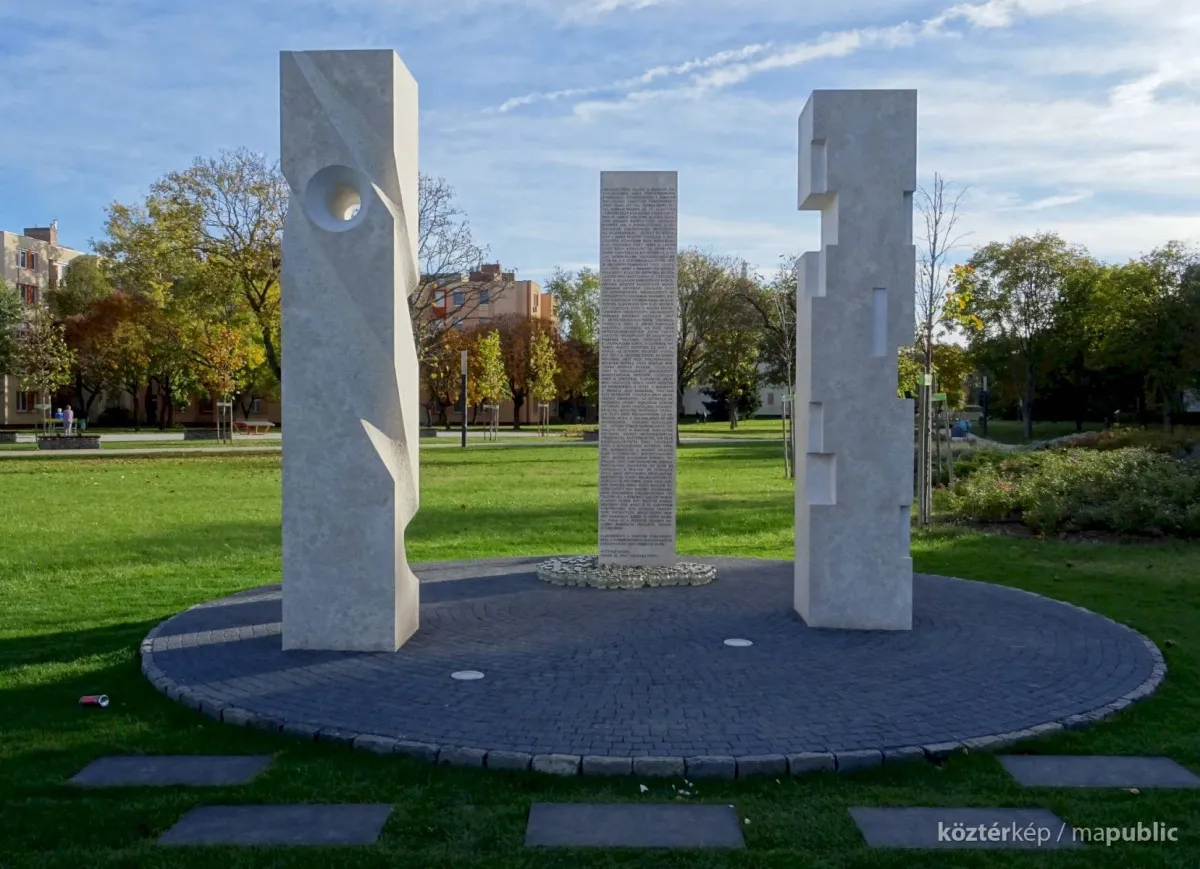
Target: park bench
{"x": 253, "y": 426}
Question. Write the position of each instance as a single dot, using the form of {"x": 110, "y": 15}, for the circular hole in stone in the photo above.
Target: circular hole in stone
{"x": 738, "y": 643}
{"x": 466, "y": 675}
{"x": 333, "y": 198}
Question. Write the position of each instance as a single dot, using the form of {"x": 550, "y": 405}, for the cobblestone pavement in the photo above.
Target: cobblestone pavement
{"x": 646, "y": 672}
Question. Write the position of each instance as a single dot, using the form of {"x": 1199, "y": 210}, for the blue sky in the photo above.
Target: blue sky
{"x": 1081, "y": 116}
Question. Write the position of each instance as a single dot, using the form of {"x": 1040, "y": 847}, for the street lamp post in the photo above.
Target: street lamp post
{"x": 463, "y": 393}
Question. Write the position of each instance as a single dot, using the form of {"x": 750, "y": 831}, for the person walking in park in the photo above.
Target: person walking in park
{"x": 68, "y": 420}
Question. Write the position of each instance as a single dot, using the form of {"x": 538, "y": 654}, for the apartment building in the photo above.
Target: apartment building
{"x": 31, "y": 263}
{"x": 467, "y": 301}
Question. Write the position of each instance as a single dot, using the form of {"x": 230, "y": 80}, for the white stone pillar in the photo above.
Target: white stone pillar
{"x": 854, "y": 477}
{"x": 348, "y": 144}
{"x": 639, "y": 303}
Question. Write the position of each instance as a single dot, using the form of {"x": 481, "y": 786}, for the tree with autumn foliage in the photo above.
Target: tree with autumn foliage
{"x": 578, "y": 377}
{"x": 442, "y": 373}
{"x": 518, "y": 335}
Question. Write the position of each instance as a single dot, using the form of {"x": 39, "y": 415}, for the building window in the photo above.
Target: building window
{"x": 459, "y": 325}
{"x": 256, "y": 405}
{"x": 60, "y": 270}
{"x": 26, "y": 401}
{"x": 459, "y": 298}
{"x": 770, "y": 399}
{"x": 27, "y": 259}
{"x": 27, "y": 293}
{"x": 440, "y": 301}
{"x": 483, "y": 297}
{"x": 484, "y": 320}
{"x": 535, "y": 302}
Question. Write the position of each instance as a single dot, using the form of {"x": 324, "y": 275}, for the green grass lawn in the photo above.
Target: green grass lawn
{"x": 748, "y": 428}
{"x": 1012, "y": 431}
{"x": 95, "y": 552}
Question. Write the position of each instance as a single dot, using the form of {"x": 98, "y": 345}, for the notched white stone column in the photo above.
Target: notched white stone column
{"x": 639, "y": 303}
{"x": 854, "y": 310}
{"x": 348, "y": 143}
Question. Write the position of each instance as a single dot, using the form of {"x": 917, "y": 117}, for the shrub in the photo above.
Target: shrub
{"x": 1179, "y": 441}
{"x": 1130, "y": 490}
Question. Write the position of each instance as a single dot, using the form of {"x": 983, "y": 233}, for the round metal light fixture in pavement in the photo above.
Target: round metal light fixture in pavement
{"x": 738, "y": 643}
{"x": 466, "y": 675}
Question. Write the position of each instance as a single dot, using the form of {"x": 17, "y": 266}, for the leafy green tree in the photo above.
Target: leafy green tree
{"x": 910, "y": 366}
{"x": 229, "y": 212}
{"x": 577, "y": 300}
{"x": 493, "y": 379}
{"x": 543, "y": 365}
{"x": 43, "y": 358}
{"x": 731, "y": 365}
{"x": 10, "y": 318}
{"x": 86, "y": 283}
{"x": 708, "y": 294}
{"x": 1148, "y": 314}
{"x": 1005, "y": 300}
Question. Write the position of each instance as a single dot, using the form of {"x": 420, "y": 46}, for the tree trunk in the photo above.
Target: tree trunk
{"x": 733, "y": 415}
{"x": 1166, "y": 412}
{"x": 518, "y": 401}
{"x": 272, "y": 353}
{"x": 1027, "y": 402}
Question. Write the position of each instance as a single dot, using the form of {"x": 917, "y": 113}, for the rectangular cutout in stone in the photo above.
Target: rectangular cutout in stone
{"x": 167, "y": 771}
{"x": 879, "y": 322}
{"x": 633, "y": 825}
{"x": 820, "y": 479}
{"x": 963, "y": 828}
{"x": 346, "y": 824}
{"x": 1097, "y": 771}
{"x": 816, "y": 427}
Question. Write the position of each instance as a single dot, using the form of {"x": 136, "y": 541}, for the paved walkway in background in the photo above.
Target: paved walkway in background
{"x": 574, "y": 673}
{"x": 147, "y": 451}
{"x": 445, "y": 443}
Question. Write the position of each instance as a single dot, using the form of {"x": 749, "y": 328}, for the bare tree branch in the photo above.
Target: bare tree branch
{"x": 940, "y": 217}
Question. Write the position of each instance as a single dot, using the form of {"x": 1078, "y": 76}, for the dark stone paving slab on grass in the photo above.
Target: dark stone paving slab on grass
{"x": 187, "y": 770}
{"x": 963, "y": 828}
{"x": 1088, "y": 771}
{"x": 981, "y": 659}
{"x": 633, "y": 825}
{"x": 348, "y": 824}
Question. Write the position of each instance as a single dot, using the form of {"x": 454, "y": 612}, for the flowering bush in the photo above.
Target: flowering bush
{"x": 1131, "y": 490}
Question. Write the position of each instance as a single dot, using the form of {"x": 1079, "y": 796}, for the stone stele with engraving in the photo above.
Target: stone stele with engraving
{"x": 854, "y": 484}
{"x": 638, "y": 310}
{"x": 348, "y": 139}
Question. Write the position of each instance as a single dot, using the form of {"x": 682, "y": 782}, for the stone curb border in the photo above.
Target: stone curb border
{"x": 585, "y": 571}
{"x": 704, "y": 766}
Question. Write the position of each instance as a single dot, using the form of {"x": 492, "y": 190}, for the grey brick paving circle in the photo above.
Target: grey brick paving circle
{"x": 579, "y": 673}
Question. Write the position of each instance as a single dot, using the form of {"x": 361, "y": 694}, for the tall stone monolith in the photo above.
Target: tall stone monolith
{"x": 348, "y": 143}
{"x": 854, "y": 479}
{"x": 639, "y": 302}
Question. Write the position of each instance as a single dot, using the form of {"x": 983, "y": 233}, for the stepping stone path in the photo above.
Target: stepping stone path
{"x": 633, "y": 825}
{"x": 988, "y": 828}
{"x": 347, "y": 824}
{"x": 1086, "y": 771}
{"x": 166, "y": 771}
